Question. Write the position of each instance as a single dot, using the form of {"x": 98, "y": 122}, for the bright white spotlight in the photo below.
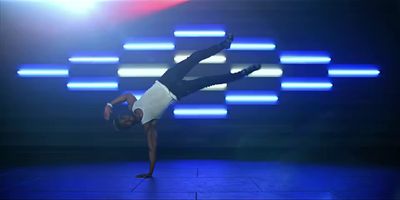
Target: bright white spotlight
{"x": 216, "y": 59}
{"x": 77, "y": 6}
{"x": 142, "y": 70}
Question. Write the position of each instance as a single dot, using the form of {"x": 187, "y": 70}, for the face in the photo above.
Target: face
{"x": 127, "y": 120}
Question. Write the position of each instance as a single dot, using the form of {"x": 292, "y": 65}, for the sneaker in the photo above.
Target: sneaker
{"x": 250, "y": 69}
{"x": 228, "y": 41}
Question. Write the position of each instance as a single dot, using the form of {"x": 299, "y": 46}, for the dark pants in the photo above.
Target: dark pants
{"x": 173, "y": 77}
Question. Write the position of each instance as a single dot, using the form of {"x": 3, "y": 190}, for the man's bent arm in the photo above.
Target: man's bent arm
{"x": 125, "y": 97}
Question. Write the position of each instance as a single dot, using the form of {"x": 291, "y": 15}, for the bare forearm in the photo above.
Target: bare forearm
{"x": 119, "y": 99}
{"x": 152, "y": 144}
{"x": 152, "y": 157}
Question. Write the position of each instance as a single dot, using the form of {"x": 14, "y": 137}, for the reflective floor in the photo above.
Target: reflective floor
{"x": 200, "y": 179}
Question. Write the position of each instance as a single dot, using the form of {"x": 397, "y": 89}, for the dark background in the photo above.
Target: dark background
{"x": 356, "y": 122}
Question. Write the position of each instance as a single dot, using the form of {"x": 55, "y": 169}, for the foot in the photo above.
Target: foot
{"x": 228, "y": 41}
{"x": 250, "y": 69}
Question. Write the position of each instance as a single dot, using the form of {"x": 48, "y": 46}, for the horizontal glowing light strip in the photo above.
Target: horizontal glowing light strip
{"x": 199, "y": 33}
{"x": 353, "y": 73}
{"x": 149, "y": 46}
{"x": 351, "y": 70}
{"x": 218, "y": 87}
{"x": 252, "y": 46}
{"x": 43, "y": 72}
{"x": 216, "y": 59}
{"x": 265, "y": 71}
{"x": 306, "y": 85}
{"x": 94, "y": 59}
{"x": 141, "y": 72}
{"x": 92, "y": 85}
{"x": 200, "y": 112}
{"x": 249, "y": 98}
{"x": 305, "y": 58}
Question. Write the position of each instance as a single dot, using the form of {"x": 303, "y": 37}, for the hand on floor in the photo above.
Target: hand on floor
{"x": 146, "y": 175}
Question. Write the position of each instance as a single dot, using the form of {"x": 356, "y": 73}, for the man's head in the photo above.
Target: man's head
{"x": 124, "y": 122}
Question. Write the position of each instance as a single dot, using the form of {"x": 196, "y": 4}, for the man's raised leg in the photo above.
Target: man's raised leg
{"x": 200, "y": 83}
{"x": 180, "y": 70}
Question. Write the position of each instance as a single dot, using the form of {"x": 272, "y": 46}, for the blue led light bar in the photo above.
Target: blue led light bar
{"x": 251, "y": 97}
{"x": 200, "y": 31}
{"x": 253, "y": 44}
{"x": 94, "y": 84}
{"x": 353, "y": 71}
{"x": 306, "y": 84}
{"x": 200, "y": 111}
{"x": 149, "y": 46}
{"x": 43, "y": 71}
{"x": 304, "y": 58}
{"x": 94, "y": 59}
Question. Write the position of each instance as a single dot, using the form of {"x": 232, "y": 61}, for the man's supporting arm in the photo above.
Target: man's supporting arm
{"x": 151, "y": 133}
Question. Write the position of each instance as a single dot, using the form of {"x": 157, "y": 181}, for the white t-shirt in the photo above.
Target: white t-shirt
{"x": 154, "y": 102}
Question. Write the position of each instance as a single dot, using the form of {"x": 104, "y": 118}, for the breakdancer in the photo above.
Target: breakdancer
{"x": 169, "y": 88}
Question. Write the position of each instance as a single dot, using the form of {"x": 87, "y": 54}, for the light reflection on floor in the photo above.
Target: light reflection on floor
{"x": 200, "y": 179}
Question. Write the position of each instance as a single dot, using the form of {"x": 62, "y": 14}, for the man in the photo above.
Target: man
{"x": 169, "y": 88}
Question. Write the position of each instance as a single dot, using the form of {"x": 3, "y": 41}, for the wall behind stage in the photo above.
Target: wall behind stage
{"x": 357, "y": 112}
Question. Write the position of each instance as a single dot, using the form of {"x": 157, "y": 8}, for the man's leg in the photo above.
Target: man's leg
{"x": 179, "y": 71}
{"x": 200, "y": 83}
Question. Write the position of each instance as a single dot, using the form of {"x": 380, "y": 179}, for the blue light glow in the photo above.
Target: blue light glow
{"x": 92, "y": 84}
{"x": 306, "y": 84}
{"x": 149, "y": 46}
{"x": 353, "y": 71}
{"x": 43, "y": 71}
{"x": 247, "y": 46}
{"x": 254, "y": 44}
{"x": 94, "y": 59}
{"x": 305, "y": 58}
{"x": 200, "y": 31}
{"x": 251, "y": 97}
{"x": 200, "y": 111}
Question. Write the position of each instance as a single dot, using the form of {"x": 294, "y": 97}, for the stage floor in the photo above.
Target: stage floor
{"x": 200, "y": 179}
